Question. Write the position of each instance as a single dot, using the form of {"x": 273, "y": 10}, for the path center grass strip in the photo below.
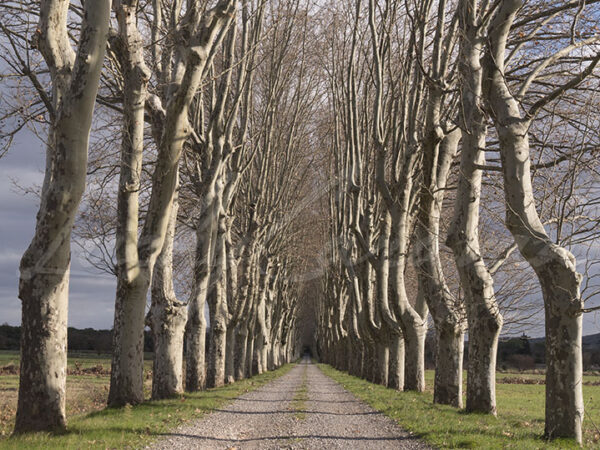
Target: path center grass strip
{"x": 298, "y": 404}
{"x": 138, "y": 426}
{"x": 519, "y": 425}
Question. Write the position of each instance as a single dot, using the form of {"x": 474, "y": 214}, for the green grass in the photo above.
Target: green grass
{"x": 80, "y": 359}
{"x": 519, "y": 425}
{"x": 588, "y": 377}
{"x": 135, "y": 427}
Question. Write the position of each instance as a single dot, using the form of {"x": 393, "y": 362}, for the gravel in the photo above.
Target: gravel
{"x": 277, "y": 417}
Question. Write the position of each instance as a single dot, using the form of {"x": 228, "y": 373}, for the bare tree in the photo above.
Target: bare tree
{"x": 554, "y": 265}
{"x": 200, "y": 33}
{"x": 483, "y": 314}
{"x": 439, "y": 145}
{"x": 44, "y": 282}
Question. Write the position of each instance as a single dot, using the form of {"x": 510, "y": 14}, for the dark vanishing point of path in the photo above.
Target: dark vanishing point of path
{"x": 303, "y": 409}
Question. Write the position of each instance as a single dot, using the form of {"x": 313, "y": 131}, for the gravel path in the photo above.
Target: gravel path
{"x": 303, "y": 409}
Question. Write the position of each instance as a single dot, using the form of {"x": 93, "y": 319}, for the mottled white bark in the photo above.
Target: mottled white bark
{"x": 483, "y": 315}
{"x": 396, "y": 365}
{"x": 195, "y": 333}
{"x": 241, "y": 318}
{"x": 129, "y": 50}
{"x": 250, "y": 354}
{"x": 230, "y": 351}
{"x": 235, "y": 307}
{"x": 414, "y": 326}
{"x": 168, "y": 318}
{"x": 127, "y": 366}
{"x": 241, "y": 344}
{"x": 555, "y": 266}
{"x": 44, "y": 268}
{"x": 446, "y": 311}
{"x": 218, "y": 313}
{"x": 397, "y": 202}
{"x": 383, "y": 359}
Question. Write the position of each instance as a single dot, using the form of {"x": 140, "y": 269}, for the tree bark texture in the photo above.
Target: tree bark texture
{"x": 168, "y": 318}
{"x": 217, "y": 305}
{"x": 554, "y": 265}
{"x": 446, "y": 312}
{"x": 44, "y": 268}
{"x": 195, "y": 333}
{"x": 127, "y": 367}
{"x": 414, "y": 326}
{"x": 128, "y": 47}
{"x": 483, "y": 314}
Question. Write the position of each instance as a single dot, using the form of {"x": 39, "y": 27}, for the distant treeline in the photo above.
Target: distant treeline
{"x": 525, "y": 353}
{"x": 521, "y": 353}
{"x": 78, "y": 339}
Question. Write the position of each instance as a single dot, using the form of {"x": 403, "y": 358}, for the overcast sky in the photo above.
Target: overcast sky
{"x": 92, "y": 293}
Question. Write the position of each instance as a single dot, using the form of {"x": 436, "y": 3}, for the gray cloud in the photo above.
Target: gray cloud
{"x": 91, "y": 294}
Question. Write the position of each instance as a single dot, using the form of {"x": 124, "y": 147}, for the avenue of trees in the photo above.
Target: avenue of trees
{"x": 443, "y": 116}
{"x": 269, "y": 175}
{"x": 196, "y": 177}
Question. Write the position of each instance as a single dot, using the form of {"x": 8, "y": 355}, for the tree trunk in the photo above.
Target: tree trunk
{"x": 383, "y": 359}
{"x": 448, "y": 370}
{"x": 215, "y": 374}
{"x": 217, "y": 306}
{"x": 341, "y": 355}
{"x": 168, "y": 318}
{"x": 264, "y": 356}
{"x": 195, "y": 342}
{"x": 414, "y": 327}
{"x": 484, "y": 331}
{"x": 483, "y": 315}
{"x": 261, "y": 341}
{"x": 132, "y": 279}
{"x": 366, "y": 366}
{"x": 250, "y": 355}
{"x": 195, "y": 334}
{"x": 167, "y": 377}
{"x": 127, "y": 366}
{"x": 45, "y": 266}
{"x": 353, "y": 356}
{"x": 241, "y": 344}
{"x": 257, "y": 359}
{"x": 414, "y": 360}
{"x": 352, "y": 353}
{"x": 396, "y": 365}
{"x": 447, "y": 312}
{"x": 235, "y": 307}
{"x": 230, "y": 350}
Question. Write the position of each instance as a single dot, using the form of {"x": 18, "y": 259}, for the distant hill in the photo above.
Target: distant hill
{"x": 591, "y": 342}
{"x": 523, "y": 352}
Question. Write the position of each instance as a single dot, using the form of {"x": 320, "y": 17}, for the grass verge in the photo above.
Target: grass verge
{"x": 519, "y": 425}
{"x": 135, "y": 427}
{"x": 87, "y": 385}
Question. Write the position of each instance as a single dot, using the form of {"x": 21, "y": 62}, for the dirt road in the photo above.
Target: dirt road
{"x": 303, "y": 409}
